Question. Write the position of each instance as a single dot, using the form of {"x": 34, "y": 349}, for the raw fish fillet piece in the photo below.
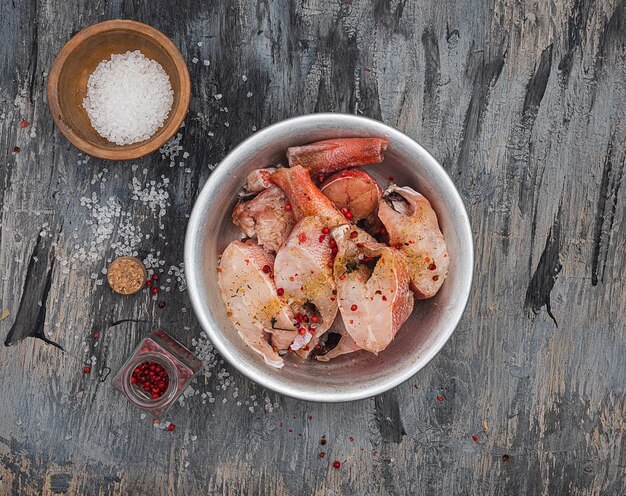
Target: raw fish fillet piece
{"x": 355, "y": 190}
{"x": 265, "y": 218}
{"x": 259, "y": 179}
{"x": 303, "y": 270}
{"x": 324, "y": 157}
{"x": 346, "y": 345}
{"x": 281, "y": 340}
{"x": 372, "y": 289}
{"x": 250, "y": 297}
{"x": 413, "y": 228}
{"x": 305, "y": 198}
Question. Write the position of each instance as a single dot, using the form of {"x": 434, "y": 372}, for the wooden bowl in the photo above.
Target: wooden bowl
{"x": 67, "y": 84}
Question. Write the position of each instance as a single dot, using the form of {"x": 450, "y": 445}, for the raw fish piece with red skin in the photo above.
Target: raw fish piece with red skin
{"x": 250, "y": 297}
{"x": 355, "y": 190}
{"x": 413, "y": 228}
{"x": 328, "y": 156}
{"x": 305, "y": 198}
{"x": 374, "y": 303}
{"x": 265, "y": 218}
{"x": 303, "y": 269}
{"x": 259, "y": 179}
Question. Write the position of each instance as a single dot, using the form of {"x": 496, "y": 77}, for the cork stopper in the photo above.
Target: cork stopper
{"x": 126, "y": 275}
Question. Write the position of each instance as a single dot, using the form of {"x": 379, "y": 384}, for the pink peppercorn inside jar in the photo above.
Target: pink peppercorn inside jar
{"x": 157, "y": 373}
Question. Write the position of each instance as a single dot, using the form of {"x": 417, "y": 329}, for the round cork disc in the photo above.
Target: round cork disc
{"x": 126, "y": 275}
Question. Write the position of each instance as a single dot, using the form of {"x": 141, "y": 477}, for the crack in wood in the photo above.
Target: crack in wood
{"x": 548, "y": 268}
{"x": 605, "y": 215}
{"x": 35, "y": 293}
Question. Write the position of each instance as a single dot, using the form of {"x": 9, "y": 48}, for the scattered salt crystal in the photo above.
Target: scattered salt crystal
{"x": 194, "y": 60}
{"x": 206, "y": 62}
{"x": 249, "y": 94}
{"x": 218, "y": 96}
{"x": 128, "y": 97}
{"x": 244, "y": 77}
{"x": 199, "y": 43}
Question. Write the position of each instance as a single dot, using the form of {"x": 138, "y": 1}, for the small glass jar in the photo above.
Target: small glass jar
{"x": 158, "y": 349}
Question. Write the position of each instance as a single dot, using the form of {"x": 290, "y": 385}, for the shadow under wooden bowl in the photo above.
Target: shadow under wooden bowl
{"x": 67, "y": 84}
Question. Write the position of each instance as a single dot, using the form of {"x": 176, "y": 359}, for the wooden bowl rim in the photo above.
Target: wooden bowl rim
{"x": 124, "y": 152}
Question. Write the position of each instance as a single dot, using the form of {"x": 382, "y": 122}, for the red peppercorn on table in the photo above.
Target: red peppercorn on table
{"x": 523, "y": 106}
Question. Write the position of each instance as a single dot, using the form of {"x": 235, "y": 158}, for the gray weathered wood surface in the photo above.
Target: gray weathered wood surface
{"x": 522, "y": 103}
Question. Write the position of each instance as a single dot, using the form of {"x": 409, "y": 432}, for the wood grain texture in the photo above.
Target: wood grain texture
{"x": 522, "y": 103}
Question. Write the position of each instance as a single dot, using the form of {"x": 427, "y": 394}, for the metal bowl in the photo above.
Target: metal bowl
{"x": 357, "y": 375}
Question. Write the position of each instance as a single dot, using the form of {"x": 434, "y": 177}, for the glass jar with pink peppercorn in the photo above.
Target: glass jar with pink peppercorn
{"x": 157, "y": 373}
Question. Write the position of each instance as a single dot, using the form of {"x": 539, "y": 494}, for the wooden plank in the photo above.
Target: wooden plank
{"x": 522, "y": 104}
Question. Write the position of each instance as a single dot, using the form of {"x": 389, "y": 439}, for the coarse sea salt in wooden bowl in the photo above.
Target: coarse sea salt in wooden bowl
{"x": 77, "y": 60}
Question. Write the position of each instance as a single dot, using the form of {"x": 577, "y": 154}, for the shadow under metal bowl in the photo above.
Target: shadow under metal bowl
{"x": 356, "y": 375}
